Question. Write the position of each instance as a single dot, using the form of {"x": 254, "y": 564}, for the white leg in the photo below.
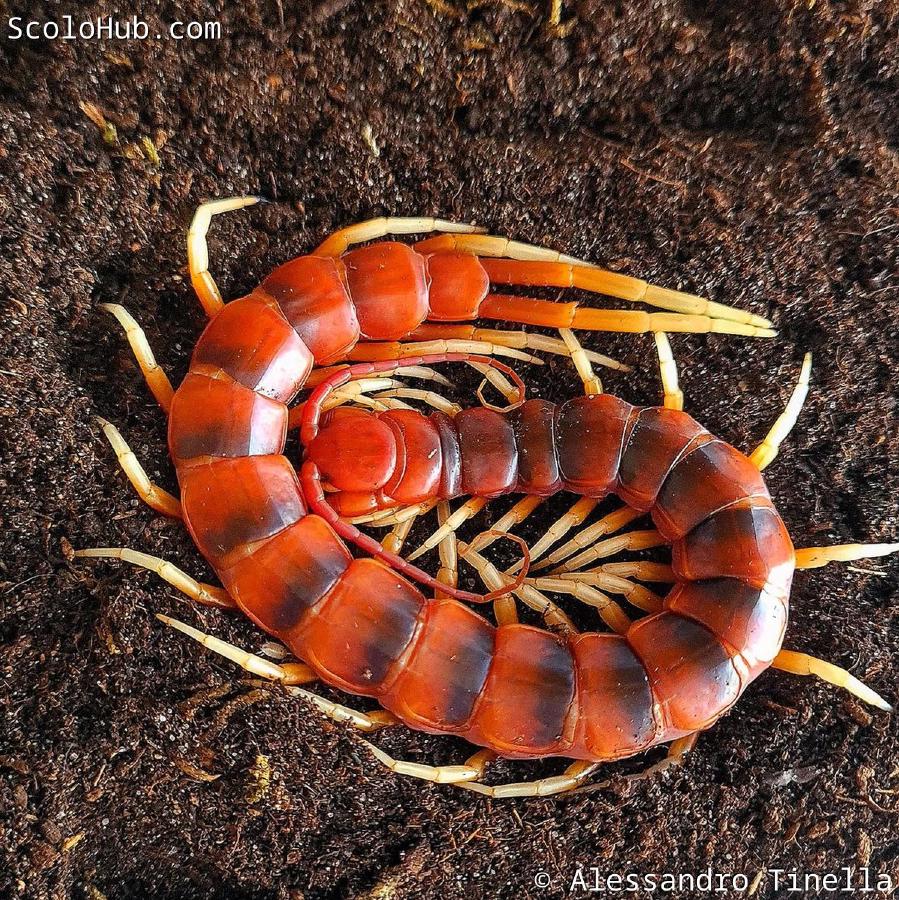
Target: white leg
{"x": 674, "y": 396}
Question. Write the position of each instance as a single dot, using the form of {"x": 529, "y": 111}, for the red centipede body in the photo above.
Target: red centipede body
{"x": 435, "y": 663}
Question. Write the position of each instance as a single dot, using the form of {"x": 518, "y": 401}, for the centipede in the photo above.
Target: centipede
{"x": 326, "y": 347}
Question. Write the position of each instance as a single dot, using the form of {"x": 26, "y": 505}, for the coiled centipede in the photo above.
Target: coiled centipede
{"x": 278, "y": 541}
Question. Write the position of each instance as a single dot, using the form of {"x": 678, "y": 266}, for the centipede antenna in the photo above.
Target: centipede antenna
{"x": 815, "y": 557}
{"x": 152, "y": 494}
{"x": 766, "y": 452}
{"x": 804, "y": 664}
{"x": 153, "y": 373}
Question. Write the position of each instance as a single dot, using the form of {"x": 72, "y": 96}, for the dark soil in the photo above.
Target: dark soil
{"x": 743, "y": 151}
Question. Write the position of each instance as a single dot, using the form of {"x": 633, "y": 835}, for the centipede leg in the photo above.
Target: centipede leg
{"x": 154, "y": 496}
{"x": 199, "y": 591}
{"x": 552, "y": 615}
{"x": 448, "y": 573}
{"x": 153, "y": 373}
{"x": 815, "y": 557}
{"x": 515, "y": 516}
{"x": 337, "y": 243}
{"x": 581, "y": 362}
{"x": 198, "y": 251}
{"x": 573, "y": 777}
{"x": 518, "y": 340}
{"x": 633, "y": 540}
{"x": 673, "y": 395}
{"x": 608, "y": 524}
{"x": 510, "y": 262}
{"x": 574, "y": 517}
{"x": 804, "y": 664}
{"x": 454, "y": 521}
{"x": 435, "y": 774}
{"x": 766, "y": 452}
{"x": 291, "y": 675}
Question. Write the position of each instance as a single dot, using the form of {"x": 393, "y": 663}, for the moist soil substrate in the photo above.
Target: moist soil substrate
{"x": 746, "y": 152}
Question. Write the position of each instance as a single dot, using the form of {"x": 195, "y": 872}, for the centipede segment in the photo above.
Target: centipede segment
{"x": 350, "y": 323}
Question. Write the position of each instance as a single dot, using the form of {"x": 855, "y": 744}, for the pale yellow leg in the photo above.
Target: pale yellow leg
{"x": 468, "y": 510}
{"x": 524, "y": 340}
{"x": 291, "y": 675}
{"x": 387, "y": 518}
{"x": 643, "y": 570}
{"x": 429, "y": 397}
{"x": 427, "y": 348}
{"x": 633, "y": 540}
{"x": 574, "y": 776}
{"x": 673, "y": 395}
{"x": 350, "y": 392}
{"x": 393, "y": 542}
{"x": 815, "y": 557}
{"x": 156, "y": 379}
{"x": 581, "y": 362}
{"x": 529, "y": 595}
{"x": 207, "y": 594}
{"x": 515, "y": 516}
{"x": 153, "y": 495}
{"x": 609, "y": 524}
{"x": 610, "y": 612}
{"x": 337, "y": 243}
{"x": 435, "y": 774}
{"x": 766, "y": 452}
{"x": 803, "y": 664}
{"x": 636, "y": 594}
{"x": 597, "y": 280}
{"x": 198, "y": 251}
{"x": 448, "y": 573}
{"x": 288, "y": 673}
{"x": 510, "y": 393}
{"x": 571, "y": 519}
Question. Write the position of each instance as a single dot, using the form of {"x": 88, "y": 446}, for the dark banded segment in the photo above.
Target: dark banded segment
{"x": 251, "y": 341}
{"x": 388, "y": 284}
{"x": 312, "y": 294}
{"x": 361, "y": 628}
{"x": 749, "y": 618}
{"x": 590, "y": 437}
{"x": 692, "y": 674}
{"x": 450, "y": 455}
{"x": 234, "y": 502}
{"x": 704, "y": 480}
{"x": 489, "y": 453}
{"x": 218, "y": 417}
{"x": 615, "y": 703}
{"x": 287, "y": 574}
{"x": 534, "y": 425}
{"x": 658, "y": 438}
{"x": 526, "y": 706}
{"x": 747, "y": 540}
{"x": 440, "y": 683}
{"x": 419, "y": 478}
